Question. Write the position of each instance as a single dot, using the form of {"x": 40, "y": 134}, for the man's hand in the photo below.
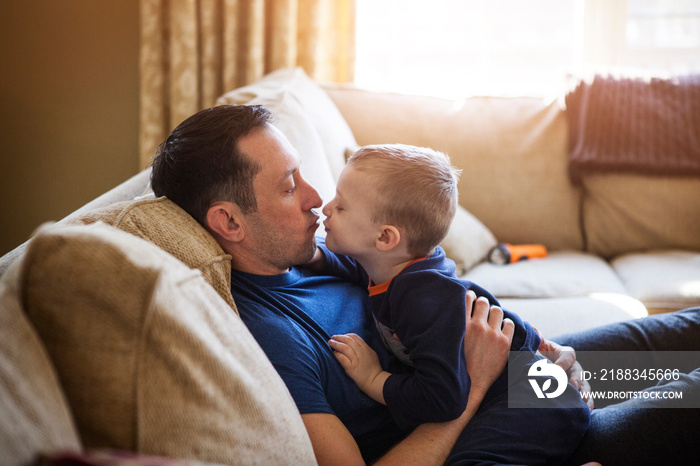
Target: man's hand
{"x": 361, "y": 364}
{"x": 486, "y": 343}
{"x": 565, "y": 357}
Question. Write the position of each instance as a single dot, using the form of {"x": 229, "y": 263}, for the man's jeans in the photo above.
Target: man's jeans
{"x": 630, "y": 434}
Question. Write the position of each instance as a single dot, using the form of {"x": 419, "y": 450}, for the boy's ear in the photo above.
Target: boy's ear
{"x": 389, "y": 237}
{"x": 224, "y": 219}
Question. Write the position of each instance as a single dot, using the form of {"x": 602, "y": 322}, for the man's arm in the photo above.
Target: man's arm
{"x": 431, "y": 443}
{"x": 428, "y": 444}
{"x": 332, "y": 442}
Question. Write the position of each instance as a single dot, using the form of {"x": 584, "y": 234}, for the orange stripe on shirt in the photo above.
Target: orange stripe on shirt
{"x": 381, "y": 288}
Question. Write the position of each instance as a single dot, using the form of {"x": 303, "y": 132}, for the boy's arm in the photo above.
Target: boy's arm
{"x": 361, "y": 363}
{"x": 327, "y": 262}
{"x": 430, "y": 443}
{"x": 317, "y": 263}
{"x": 427, "y": 313}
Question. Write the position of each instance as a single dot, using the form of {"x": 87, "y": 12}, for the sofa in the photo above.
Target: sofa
{"x": 120, "y": 334}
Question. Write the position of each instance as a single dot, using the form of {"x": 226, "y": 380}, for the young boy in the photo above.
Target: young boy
{"x": 394, "y": 204}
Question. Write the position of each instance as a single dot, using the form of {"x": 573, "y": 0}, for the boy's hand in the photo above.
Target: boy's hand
{"x": 361, "y": 364}
{"x": 565, "y": 357}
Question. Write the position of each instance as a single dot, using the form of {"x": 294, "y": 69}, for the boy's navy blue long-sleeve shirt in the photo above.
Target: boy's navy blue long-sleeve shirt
{"x": 425, "y": 307}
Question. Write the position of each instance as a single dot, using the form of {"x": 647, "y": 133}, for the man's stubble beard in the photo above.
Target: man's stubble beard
{"x": 276, "y": 248}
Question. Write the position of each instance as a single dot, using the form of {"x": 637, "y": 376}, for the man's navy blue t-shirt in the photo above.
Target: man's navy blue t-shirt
{"x": 292, "y": 316}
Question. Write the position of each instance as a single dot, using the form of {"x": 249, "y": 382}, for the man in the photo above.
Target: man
{"x": 240, "y": 178}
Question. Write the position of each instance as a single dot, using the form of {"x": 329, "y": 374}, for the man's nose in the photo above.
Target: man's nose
{"x": 313, "y": 199}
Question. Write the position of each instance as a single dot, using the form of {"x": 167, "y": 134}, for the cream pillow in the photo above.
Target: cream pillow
{"x": 34, "y": 413}
{"x": 468, "y": 241}
{"x": 165, "y": 224}
{"x": 151, "y": 358}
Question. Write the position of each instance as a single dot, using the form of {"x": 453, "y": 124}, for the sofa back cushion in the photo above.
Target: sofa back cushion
{"x": 34, "y": 414}
{"x": 150, "y": 356}
{"x": 513, "y": 153}
{"x": 632, "y": 213}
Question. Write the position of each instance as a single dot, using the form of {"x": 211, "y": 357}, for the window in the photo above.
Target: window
{"x": 454, "y": 48}
{"x": 664, "y": 35}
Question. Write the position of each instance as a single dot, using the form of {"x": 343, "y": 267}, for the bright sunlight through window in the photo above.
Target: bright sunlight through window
{"x": 457, "y": 48}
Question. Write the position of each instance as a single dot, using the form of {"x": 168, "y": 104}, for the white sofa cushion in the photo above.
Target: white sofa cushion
{"x": 151, "y": 358}
{"x": 560, "y": 274}
{"x": 663, "y": 280}
{"x": 557, "y": 316}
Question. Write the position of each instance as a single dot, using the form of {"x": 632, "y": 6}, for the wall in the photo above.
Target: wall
{"x": 68, "y": 107}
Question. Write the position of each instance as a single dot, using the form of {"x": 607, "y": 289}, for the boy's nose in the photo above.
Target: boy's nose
{"x": 327, "y": 209}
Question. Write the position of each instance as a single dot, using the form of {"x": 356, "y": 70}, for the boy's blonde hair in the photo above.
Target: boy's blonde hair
{"x": 416, "y": 188}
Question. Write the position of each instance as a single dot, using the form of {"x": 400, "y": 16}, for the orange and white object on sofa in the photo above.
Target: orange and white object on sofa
{"x": 505, "y": 253}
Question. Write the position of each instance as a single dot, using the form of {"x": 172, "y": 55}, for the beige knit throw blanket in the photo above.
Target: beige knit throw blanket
{"x": 634, "y": 125}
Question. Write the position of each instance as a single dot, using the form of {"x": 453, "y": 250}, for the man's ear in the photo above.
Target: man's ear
{"x": 224, "y": 219}
{"x": 389, "y": 237}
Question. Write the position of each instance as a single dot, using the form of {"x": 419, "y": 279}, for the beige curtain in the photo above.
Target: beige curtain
{"x": 192, "y": 51}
